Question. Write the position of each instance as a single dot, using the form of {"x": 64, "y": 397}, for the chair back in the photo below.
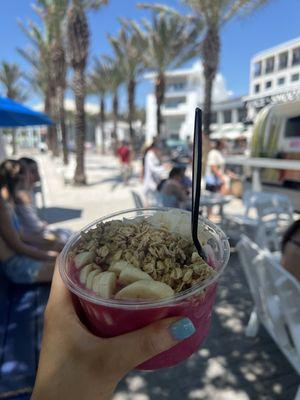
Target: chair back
{"x": 276, "y": 295}
{"x": 138, "y": 202}
{"x": 273, "y": 211}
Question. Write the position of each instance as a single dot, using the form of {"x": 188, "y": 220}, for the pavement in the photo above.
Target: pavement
{"x": 229, "y": 366}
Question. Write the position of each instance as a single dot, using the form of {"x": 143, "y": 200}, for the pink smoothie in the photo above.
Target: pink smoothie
{"x": 107, "y": 318}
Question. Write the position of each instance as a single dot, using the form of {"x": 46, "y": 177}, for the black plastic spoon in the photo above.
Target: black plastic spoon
{"x": 196, "y": 180}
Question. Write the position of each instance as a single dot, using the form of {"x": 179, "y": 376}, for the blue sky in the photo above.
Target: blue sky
{"x": 276, "y": 22}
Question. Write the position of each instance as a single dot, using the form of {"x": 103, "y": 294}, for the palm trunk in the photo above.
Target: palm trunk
{"x": 14, "y": 142}
{"x": 160, "y": 96}
{"x": 62, "y": 122}
{"x": 52, "y": 128}
{"x": 115, "y": 120}
{"x": 79, "y": 91}
{"x": 102, "y": 123}
{"x": 47, "y": 111}
{"x": 131, "y": 108}
{"x": 211, "y": 54}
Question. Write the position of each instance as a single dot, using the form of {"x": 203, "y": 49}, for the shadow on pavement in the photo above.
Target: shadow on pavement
{"x": 229, "y": 366}
{"x": 58, "y": 214}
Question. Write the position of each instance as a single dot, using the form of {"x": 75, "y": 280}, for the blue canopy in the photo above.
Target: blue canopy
{"x": 15, "y": 114}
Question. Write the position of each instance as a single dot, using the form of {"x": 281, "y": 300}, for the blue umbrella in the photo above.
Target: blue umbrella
{"x": 15, "y": 114}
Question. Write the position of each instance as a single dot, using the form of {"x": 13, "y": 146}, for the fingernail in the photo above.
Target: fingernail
{"x": 182, "y": 329}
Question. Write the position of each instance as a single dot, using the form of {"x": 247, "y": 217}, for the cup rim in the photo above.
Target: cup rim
{"x": 140, "y": 304}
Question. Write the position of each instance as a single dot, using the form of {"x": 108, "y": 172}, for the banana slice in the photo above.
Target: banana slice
{"x": 104, "y": 284}
{"x": 90, "y": 278}
{"x": 145, "y": 289}
{"x": 131, "y": 274}
{"x": 84, "y": 258}
{"x": 118, "y": 266}
{"x": 86, "y": 270}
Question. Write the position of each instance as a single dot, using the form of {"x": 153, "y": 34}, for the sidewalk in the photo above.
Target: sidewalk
{"x": 73, "y": 207}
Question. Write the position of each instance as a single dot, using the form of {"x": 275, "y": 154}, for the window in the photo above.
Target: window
{"x": 283, "y": 60}
{"x": 176, "y": 86}
{"x": 213, "y": 118}
{"x": 268, "y": 84}
{"x": 292, "y": 128}
{"x": 227, "y": 117}
{"x": 173, "y": 103}
{"x": 242, "y": 114}
{"x": 295, "y": 77}
{"x": 257, "y": 68}
{"x": 269, "y": 65}
{"x": 280, "y": 81}
{"x": 296, "y": 56}
{"x": 257, "y": 88}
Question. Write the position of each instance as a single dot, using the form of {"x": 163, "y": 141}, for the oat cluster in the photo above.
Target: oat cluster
{"x": 165, "y": 256}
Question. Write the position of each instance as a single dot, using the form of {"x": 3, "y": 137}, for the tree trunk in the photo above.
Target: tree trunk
{"x": 102, "y": 123}
{"x": 14, "y": 141}
{"x": 211, "y": 54}
{"x": 47, "y": 111}
{"x": 62, "y": 122}
{"x": 53, "y": 139}
{"x": 160, "y": 97}
{"x": 131, "y": 108}
{"x": 115, "y": 120}
{"x": 79, "y": 91}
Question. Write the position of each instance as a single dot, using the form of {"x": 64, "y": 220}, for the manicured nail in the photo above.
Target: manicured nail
{"x": 182, "y": 329}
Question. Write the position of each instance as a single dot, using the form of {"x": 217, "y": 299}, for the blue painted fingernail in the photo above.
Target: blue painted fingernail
{"x": 182, "y": 329}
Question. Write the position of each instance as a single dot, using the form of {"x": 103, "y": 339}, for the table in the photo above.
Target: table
{"x": 209, "y": 199}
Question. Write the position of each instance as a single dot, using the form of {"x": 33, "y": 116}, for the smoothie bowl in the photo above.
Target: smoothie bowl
{"x": 134, "y": 267}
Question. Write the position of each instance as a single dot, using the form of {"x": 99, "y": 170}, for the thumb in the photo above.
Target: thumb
{"x": 143, "y": 344}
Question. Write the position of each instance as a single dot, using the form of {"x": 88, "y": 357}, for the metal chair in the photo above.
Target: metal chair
{"x": 275, "y": 294}
{"x": 138, "y": 202}
{"x": 271, "y": 214}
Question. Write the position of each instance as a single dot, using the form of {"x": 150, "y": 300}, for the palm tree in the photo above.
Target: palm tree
{"x": 214, "y": 14}
{"x": 77, "y": 48}
{"x": 10, "y": 76}
{"x": 129, "y": 57}
{"x": 166, "y": 42}
{"x": 99, "y": 84}
{"x": 116, "y": 78}
{"x": 53, "y": 13}
{"x": 39, "y": 56}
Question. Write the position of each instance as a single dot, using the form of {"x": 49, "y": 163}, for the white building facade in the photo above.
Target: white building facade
{"x": 274, "y": 77}
{"x": 184, "y": 92}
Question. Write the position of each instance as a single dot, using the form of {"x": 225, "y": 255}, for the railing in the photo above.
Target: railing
{"x": 256, "y": 164}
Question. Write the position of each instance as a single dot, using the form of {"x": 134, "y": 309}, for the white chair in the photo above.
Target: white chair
{"x": 276, "y": 295}
{"x": 266, "y": 217}
{"x": 138, "y": 202}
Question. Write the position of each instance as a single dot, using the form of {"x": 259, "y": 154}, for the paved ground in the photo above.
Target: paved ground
{"x": 229, "y": 366}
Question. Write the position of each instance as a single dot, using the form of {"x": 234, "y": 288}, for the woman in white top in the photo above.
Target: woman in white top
{"x": 154, "y": 172}
{"x": 215, "y": 177}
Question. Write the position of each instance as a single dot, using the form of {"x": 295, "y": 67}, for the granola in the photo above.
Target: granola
{"x": 129, "y": 251}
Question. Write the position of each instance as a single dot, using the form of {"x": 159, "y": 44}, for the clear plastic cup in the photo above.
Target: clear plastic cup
{"x": 109, "y": 317}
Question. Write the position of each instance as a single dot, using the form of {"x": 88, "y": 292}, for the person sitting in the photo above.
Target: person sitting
{"x": 172, "y": 192}
{"x": 290, "y": 248}
{"x": 20, "y": 262}
{"x": 26, "y": 210}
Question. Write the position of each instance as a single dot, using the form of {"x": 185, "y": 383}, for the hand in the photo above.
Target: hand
{"x": 74, "y": 364}
{"x": 52, "y": 255}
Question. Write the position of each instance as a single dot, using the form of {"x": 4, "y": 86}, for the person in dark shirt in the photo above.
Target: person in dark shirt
{"x": 291, "y": 249}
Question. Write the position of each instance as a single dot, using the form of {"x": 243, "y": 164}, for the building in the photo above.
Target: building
{"x": 274, "y": 77}
{"x": 93, "y": 129}
{"x": 184, "y": 92}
